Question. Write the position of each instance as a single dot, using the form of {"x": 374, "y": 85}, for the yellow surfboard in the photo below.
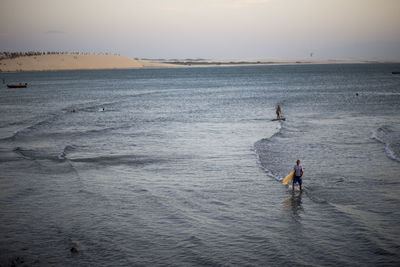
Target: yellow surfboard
{"x": 288, "y": 178}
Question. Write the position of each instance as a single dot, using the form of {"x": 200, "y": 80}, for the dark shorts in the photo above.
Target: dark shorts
{"x": 297, "y": 179}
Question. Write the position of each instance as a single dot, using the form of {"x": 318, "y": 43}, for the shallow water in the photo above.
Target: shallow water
{"x": 183, "y": 166}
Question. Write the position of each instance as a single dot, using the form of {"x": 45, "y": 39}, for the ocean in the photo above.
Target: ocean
{"x": 183, "y": 167}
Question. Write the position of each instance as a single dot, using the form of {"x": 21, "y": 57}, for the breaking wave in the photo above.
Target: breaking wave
{"x": 390, "y": 136}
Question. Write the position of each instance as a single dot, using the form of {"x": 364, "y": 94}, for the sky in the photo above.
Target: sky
{"x": 211, "y": 29}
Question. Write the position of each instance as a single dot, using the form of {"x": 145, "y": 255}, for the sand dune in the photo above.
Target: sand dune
{"x": 74, "y": 62}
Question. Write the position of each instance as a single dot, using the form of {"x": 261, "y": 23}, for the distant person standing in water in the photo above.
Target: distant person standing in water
{"x": 298, "y": 173}
{"x": 278, "y": 112}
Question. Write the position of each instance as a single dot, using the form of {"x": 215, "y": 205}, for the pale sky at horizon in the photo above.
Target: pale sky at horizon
{"x": 213, "y": 29}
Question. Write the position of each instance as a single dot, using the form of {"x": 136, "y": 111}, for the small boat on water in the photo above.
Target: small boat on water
{"x": 396, "y": 72}
{"x": 17, "y": 85}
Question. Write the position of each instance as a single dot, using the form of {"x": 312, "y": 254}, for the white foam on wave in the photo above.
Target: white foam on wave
{"x": 389, "y": 136}
{"x": 62, "y": 155}
{"x": 374, "y": 135}
{"x": 266, "y": 170}
{"x": 391, "y": 154}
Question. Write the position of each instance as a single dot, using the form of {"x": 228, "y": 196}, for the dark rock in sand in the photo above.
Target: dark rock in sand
{"x": 74, "y": 250}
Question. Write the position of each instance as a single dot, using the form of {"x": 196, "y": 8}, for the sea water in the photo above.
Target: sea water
{"x": 184, "y": 167}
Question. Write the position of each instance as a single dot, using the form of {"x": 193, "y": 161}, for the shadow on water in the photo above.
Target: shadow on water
{"x": 294, "y": 205}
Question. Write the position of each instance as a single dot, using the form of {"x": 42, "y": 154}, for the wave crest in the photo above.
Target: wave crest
{"x": 390, "y": 136}
{"x": 261, "y": 148}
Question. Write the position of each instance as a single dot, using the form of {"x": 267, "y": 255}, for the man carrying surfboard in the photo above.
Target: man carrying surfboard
{"x": 298, "y": 173}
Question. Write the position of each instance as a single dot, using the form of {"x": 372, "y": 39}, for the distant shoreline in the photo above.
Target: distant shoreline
{"x": 73, "y": 61}
{"x": 203, "y": 62}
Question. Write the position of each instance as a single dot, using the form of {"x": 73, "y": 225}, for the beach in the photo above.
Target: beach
{"x": 183, "y": 166}
{"x": 53, "y": 62}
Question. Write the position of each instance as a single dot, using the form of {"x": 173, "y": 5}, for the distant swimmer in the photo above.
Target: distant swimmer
{"x": 298, "y": 173}
{"x": 278, "y": 112}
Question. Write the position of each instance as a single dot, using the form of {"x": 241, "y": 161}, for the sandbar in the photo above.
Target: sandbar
{"x": 53, "y": 62}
